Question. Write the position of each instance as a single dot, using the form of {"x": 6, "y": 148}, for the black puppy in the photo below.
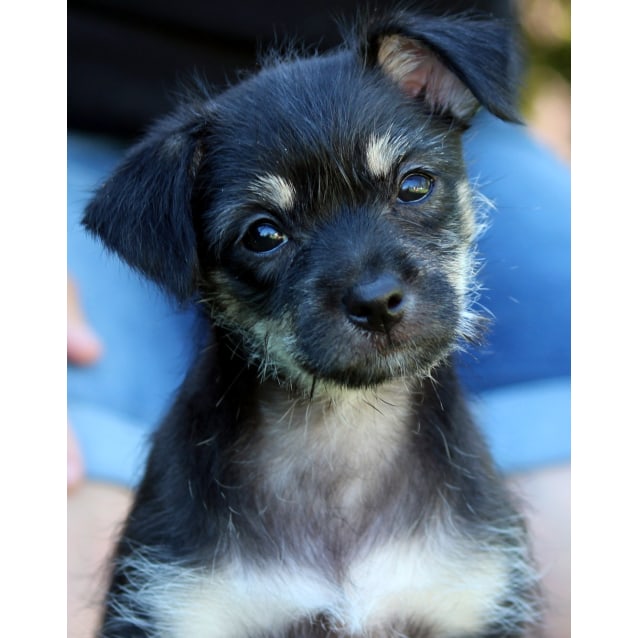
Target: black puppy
{"x": 319, "y": 473}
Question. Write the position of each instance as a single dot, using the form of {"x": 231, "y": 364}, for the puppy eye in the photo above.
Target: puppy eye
{"x": 415, "y": 187}
{"x": 263, "y": 237}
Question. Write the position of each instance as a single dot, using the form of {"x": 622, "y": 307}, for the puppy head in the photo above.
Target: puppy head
{"x": 321, "y": 208}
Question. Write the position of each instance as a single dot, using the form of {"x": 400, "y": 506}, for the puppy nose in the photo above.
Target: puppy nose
{"x": 376, "y": 305}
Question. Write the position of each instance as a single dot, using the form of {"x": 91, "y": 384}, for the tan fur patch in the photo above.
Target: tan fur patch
{"x": 276, "y": 190}
{"x": 466, "y": 206}
{"x": 383, "y": 153}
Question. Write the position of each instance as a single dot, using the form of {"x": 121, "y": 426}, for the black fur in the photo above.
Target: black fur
{"x": 360, "y": 288}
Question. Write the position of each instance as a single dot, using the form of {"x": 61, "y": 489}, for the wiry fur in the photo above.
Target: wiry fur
{"x": 319, "y": 473}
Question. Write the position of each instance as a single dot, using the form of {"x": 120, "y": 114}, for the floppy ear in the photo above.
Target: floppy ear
{"x": 143, "y": 212}
{"x": 454, "y": 63}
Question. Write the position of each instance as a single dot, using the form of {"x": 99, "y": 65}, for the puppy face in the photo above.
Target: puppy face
{"x": 339, "y": 226}
{"x": 320, "y": 208}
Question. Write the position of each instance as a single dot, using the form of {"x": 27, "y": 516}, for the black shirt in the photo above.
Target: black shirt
{"x": 127, "y": 58}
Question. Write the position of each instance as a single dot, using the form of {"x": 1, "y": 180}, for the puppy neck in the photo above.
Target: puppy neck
{"x": 331, "y": 407}
{"x": 342, "y": 437}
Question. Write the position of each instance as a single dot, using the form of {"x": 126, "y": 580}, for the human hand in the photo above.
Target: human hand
{"x": 83, "y": 348}
{"x": 82, "y": 344}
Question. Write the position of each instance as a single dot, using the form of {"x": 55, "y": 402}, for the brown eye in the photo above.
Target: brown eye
{"x": 263, "y": 237}
{"x": 415, "y": 187}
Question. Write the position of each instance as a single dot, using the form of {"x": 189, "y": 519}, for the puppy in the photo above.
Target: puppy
{"x": 319, "y": 473}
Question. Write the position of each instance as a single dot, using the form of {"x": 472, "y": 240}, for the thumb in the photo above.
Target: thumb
{"x": 83, "y": 345}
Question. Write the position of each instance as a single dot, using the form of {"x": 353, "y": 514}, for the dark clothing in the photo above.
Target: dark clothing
{"x": 127, "y": 58}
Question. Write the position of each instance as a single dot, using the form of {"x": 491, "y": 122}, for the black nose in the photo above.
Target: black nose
{"x": 376, "y": 305}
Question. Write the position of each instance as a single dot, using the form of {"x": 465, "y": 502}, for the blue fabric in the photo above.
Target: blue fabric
{"x": 522, "y": 372}
{"x": 527, "y": 424}
{"x": 521, "y": 375}
{"x": 526, "y": 250}
{"x": 147, "y": 340}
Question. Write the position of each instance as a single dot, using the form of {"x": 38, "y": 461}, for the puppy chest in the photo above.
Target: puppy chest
{"x": 399, "y": 584}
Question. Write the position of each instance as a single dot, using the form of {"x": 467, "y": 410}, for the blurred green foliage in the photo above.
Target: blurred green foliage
{"x": 546, "y": 27}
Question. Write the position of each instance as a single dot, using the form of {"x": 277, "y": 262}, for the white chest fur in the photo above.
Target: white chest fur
{"x": 438, "y": 583}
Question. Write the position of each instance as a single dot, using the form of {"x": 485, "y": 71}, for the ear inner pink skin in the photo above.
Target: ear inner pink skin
{"x": 418, "y": 70}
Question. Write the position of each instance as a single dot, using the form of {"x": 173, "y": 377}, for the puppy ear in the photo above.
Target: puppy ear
{"x": 143, "y": 212}
{"x": 455, "y": 63}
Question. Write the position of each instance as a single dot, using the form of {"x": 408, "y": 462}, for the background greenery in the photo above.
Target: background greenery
{"x": 546, "y": 99}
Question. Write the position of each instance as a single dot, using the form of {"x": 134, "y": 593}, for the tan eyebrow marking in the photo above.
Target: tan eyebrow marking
{"x": 383, "y": 152}
{"x": 276, "y": 189}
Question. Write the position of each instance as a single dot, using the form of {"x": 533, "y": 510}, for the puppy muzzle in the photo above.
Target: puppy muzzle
{"x": 364, "y": 310}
